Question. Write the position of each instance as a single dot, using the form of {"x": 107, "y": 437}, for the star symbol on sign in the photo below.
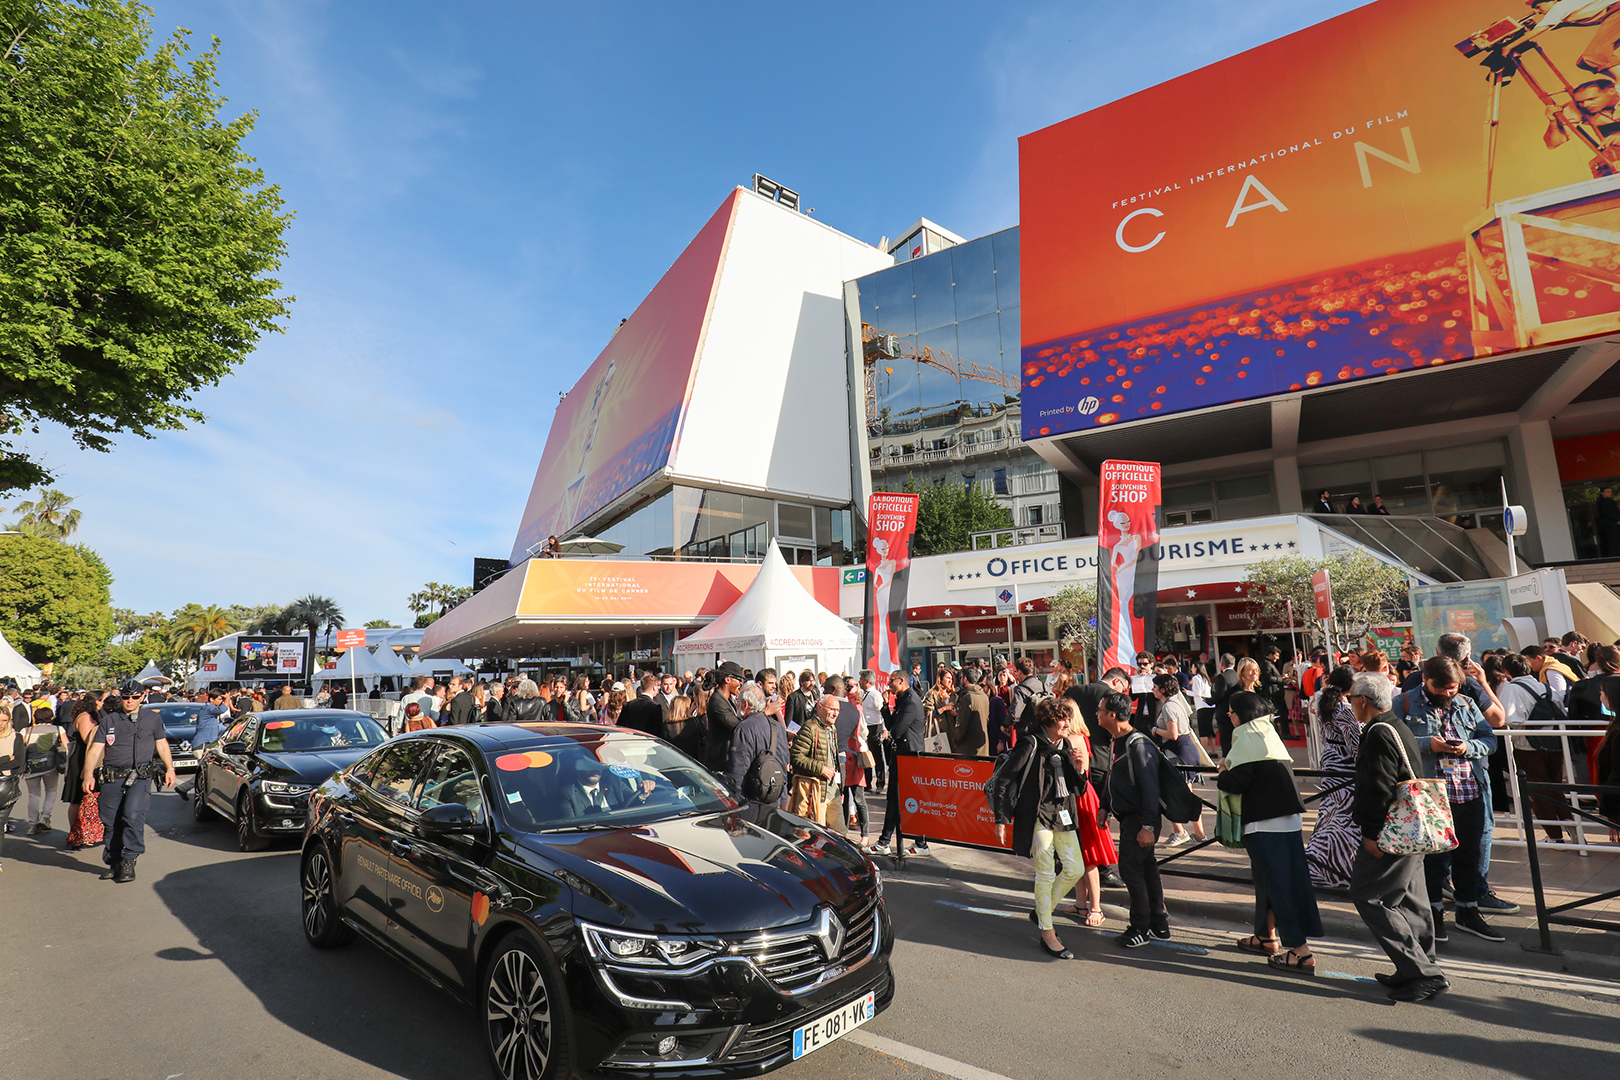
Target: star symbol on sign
{"x": 1265, "y": 547}
{"x": 978, "y": 575}
{"x": 1290, "y": 543}
{"x": 1192, "y": 594}
{"x": 947, "y": 611}
{"x": 1238, "y": 589}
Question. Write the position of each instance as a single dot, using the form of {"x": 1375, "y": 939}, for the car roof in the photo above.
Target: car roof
{"x": 491, "y": 737}
{"x": 299, "y": 714}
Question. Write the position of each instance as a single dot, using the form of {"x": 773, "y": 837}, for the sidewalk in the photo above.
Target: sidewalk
{"x": 1566, "y": 875}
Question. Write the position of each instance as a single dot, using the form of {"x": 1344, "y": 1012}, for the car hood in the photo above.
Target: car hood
{"x": 710, "y": 874}
{"x": 312, "y": 767}
{"x": 180, "y": 732}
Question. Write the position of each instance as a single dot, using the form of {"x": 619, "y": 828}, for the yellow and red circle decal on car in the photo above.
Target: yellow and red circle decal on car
{"x": 276, "y": 725}
{"x": 532, "y": 759}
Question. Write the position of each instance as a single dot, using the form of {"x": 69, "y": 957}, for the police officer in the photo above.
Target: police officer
{"x": 122, "y": 752}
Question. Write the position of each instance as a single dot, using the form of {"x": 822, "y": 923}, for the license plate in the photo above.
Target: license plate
{"x": 839, "y": 1022}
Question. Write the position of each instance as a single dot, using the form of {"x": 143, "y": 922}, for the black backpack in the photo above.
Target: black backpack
{"x": 1176, "y": 800}
{"x": 766, "y": 780}
{"x": 1544, "y": 709}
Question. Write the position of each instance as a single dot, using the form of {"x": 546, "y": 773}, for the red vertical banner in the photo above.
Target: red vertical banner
{"x": 1127, "y": 562}
{"x": 891, "y": 523}
{"x": 1322, "y": 589}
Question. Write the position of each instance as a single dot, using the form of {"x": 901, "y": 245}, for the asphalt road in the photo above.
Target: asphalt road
{"x": 199, "y": 970}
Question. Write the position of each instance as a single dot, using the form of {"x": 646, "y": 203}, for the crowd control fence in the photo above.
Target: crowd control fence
{"x": 1549, "y": 916}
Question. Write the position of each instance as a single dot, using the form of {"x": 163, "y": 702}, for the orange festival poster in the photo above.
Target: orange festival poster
{"x": 1413, "y": 183}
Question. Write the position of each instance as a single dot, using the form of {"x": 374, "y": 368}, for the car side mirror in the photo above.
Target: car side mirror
{"x": 447, "y": 818}
{"x": 234, "y": 747}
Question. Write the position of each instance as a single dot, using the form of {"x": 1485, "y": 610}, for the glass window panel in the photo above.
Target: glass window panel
{"x": 1005, "y": 245}
{"x": 867, "y": 300}
{"x": 1001, "y": 482}
{"x": 795, "y": 520}
{"x": 1254, "y": 506}
{"x": 896, "y": 311}
{"x": 823, "y": 525}
{"x": 1397, "y": 465}
{"x": 1187, "y": 494}
{"x": 979, "y": 341}
{"x": 931, "y": 282}
{"x": 1477, "y": 456}
{"x": 1243, "y": 487}
{"x": 1314, "y": 478}
{"x": 973, "y": 268}
{"x": 1035, "y": 628}
{"x": 1011, "y": 321}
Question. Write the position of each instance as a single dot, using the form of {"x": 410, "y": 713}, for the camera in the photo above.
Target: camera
{"x": 1496, "y": 37}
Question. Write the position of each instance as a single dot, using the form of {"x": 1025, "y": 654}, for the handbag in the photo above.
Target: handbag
{"x": 1229, "y": 819}
{"x": 1419, "y": 821}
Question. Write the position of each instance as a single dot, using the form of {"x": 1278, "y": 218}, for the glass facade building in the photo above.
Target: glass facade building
{"x": 939, "y": 334}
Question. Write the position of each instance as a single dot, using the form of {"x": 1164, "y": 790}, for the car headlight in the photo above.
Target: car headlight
{"x": 646, "y": 950}
{"x": 877, "y": 877}
{"x": 276, "y": 787}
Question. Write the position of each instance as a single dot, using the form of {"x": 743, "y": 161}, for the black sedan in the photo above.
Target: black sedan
{"x": 180, "y": 725}
{"x": 600, "y": 900}
{"x": 261, "y": 771}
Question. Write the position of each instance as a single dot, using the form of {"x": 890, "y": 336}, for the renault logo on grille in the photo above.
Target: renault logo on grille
{"x": 830, "y": 932}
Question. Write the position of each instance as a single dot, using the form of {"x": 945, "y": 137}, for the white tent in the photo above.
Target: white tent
{"x": 438, "y": 667}
{"x": 14, "y": 665}
{"x": 776, "y": 623}
{"x": 216, "y": 668}
{"x": 388, "y": 661}
{"x": 353, "y": 664}
{"x": 151, "y": 676}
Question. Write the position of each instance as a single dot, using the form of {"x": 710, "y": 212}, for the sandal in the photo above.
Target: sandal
{"x": 1094, "y": 917}
{"x": 1258, "y": 945}
{"x": 1293, "y": 961}
{"x": 1071, "y": 910}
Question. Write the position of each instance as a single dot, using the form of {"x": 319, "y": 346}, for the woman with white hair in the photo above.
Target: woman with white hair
{"x": 525, "y": 705}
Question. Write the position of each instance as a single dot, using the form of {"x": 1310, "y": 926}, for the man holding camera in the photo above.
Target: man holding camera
{"x": 121, "y": 757}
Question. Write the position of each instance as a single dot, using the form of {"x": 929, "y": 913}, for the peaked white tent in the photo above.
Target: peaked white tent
{"x": 388, "y": 661}
{"x": 353, "y": 664}
{"x": 151, "y": 676}
{"x": 775, "y": 623}
{"x": 14, "y": 665}
{"x": 219, "y": 667}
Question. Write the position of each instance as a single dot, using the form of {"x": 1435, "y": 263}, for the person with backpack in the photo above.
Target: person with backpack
{"x": 1133, "y": 787}
{"x": 760, "y": 760}
{"x": 1524, "y": 697}
{"x": 1037, "y": 811}
{"x": 1260, "y": 773}
{"x": 1029, "y": 690}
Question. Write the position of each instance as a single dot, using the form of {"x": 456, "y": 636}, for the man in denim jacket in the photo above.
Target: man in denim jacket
{"x": 1455, "y": 741}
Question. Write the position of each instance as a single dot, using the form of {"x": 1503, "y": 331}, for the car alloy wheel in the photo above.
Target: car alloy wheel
{"x": 246, "y": 838}
{"x": 521, "y": 1015}
{"x": 322, "y": 926}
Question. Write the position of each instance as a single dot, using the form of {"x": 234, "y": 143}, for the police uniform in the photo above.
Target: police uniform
{"x": 128, "y": 741}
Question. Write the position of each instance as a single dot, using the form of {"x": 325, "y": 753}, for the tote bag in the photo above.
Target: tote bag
{"x": 1229, "y": 819}
{"x": 1419, "y": 821}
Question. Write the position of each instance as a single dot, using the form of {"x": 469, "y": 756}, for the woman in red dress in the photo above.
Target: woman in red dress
{"x": 1095, "y": 843}
{"x": 85, "y": 829}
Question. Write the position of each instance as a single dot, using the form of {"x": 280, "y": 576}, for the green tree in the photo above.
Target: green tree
{"x": 136, "y": 238}
{"x": 1367, "y": 592}
{"x": 948, "y": 513}
{"x": 195, "y": 626}
{"x": 1073, "y": 617}
{"x": 48, "y": 516}
{"x": 54, "y": 605}
{"x": 381, "y": 624}
{"x": 315, "y": 613}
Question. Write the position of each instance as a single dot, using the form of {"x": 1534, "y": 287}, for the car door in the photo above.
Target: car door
{"x": 437, "y": 876}
{"x": 374, "y": 811}
{"x": 228, "y": 766}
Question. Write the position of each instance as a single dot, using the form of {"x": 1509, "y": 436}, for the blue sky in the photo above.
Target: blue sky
{"x": 483, "y": 190}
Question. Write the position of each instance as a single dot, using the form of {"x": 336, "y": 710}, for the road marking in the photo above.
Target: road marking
{"x": 984, "y": 910}
{"x": 961, "y": 1070}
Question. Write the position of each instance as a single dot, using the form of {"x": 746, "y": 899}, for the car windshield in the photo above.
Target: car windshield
{"x": 614, "y": 779}
{"x": 321, "y": 731}
{"x": 176, "y": 714}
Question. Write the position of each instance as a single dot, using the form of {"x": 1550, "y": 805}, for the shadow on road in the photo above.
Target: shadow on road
{"x": 244, "y": 914}
{"x": 47, "y": 850}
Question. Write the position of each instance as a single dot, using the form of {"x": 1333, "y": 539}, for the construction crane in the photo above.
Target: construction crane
{"x": 879, "y": 345}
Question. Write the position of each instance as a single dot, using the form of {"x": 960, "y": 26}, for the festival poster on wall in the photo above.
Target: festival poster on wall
{"x": 1128, "y": 569}
{"x": 891, "y": 523}
{"x": 1412, "y": 183}
{"x": 1474, "y": 608}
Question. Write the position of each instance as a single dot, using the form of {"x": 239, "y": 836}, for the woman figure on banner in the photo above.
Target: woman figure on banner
{"x": 1122, "y": 565}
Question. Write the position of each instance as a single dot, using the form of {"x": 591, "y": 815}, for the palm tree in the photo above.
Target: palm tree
{"x": 48, "y": 517}
{"x": 315, "y": 613}
{"x": 195, "y": 626}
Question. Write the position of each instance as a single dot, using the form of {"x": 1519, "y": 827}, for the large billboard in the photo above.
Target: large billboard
{"x": 618, "y": 425}
{"x": 273, "y": 657}
{"x": 1414, "y": 183}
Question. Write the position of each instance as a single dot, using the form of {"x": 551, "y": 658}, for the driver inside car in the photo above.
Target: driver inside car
{"x": 597, "y": 789}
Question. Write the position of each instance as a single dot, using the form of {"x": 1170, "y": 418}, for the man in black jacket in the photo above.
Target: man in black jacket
{"x": 1134, "y": 787}
{"x": 644, "y": 713}
{"x": 463, "y": 708}
{"x": 906, "y": 724}
{"x": 1389, "y": 890}
{"x": 1221, "y": 688}
{"x": 1029, "y": 690}
{"x": 801, "y": 704}
{"x": 722, "y": 715}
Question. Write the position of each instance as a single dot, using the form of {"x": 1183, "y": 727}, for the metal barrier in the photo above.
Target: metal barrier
{"x": 1520, "y": 816}
{"x": 1547, "y": 916}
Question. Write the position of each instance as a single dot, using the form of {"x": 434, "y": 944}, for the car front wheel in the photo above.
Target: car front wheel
{"x": 524, "y": 1027}
{"x": 322, "y": 925}
{"x": 200, "y": 810}
{"x": 247, "y": 837}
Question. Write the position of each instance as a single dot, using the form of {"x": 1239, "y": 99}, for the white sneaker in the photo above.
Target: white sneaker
{"x": 1178, "y": 839}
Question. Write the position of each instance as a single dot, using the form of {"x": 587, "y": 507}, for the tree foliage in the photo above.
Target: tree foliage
{"x": 948, "y": 513}
{"x": 48, "y": 517}
{"x": 136, "y": 238}
{"x": 1367, "y": 592}
{"x": 1073, "y": 617}
{"x": 195, "y": 626}
{"x": 380, "y": 624}
{"x": 439, "y": 595}
{"x": 55, "y": 605}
